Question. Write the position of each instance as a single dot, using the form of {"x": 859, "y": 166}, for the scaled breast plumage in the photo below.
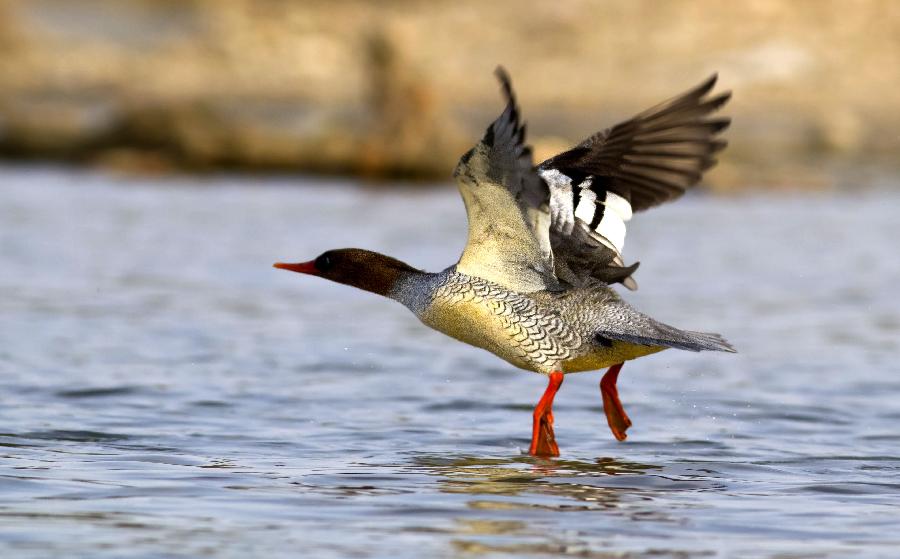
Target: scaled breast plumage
{"x": 529, "y": 335}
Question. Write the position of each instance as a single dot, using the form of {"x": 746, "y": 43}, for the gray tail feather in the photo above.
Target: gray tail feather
{"x": 708, "y": 341}
{"x": 669, "y": 336}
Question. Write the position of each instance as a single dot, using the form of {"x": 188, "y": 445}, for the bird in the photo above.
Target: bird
{"x": 535, "y": 282}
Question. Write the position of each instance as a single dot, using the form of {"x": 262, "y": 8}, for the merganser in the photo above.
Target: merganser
{"x": 533, "y": 285}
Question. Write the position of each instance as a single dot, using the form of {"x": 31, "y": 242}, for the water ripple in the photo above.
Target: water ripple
{"x": 180, "y": 398}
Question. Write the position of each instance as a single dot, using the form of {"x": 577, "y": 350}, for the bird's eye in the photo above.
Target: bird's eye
{"x": 323, "y": 262}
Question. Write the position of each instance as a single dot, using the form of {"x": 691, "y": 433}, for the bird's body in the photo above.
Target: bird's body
{"x": 533, "y": 285}
{"x": 571, "y": 331}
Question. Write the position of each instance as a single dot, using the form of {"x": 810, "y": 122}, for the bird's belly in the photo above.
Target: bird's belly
{"x": 602, "y": 357}
{"x": 482, "y": 323}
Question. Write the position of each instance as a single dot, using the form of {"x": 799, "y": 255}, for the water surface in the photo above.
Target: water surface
{"x": 165, "y": 393}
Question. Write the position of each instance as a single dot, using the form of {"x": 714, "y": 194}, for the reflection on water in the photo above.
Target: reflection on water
{"x": 164, "y": 392}
{"x": 546, "y": 477}
{"x": 505, "y": 487}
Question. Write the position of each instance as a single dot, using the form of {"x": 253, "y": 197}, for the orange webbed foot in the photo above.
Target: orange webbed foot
{"x": 615, "y": 414}
{"x": 543, "y": 441}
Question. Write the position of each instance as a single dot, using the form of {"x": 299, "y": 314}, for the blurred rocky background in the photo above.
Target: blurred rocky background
{"x": 401, "y": 88}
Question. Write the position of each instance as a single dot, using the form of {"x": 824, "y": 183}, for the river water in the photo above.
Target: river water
{"x": 164, "y": 392}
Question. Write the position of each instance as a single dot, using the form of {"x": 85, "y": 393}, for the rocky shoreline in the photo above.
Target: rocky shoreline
{"x": 400, "y": 89}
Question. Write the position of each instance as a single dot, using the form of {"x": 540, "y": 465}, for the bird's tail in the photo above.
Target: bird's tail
{"x": 668, "y": 336}
{"x": 707, "y": 341}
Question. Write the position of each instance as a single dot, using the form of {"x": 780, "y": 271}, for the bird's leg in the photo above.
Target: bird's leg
{"x": 612, "y": 406}
{"x": 543, "y": 443}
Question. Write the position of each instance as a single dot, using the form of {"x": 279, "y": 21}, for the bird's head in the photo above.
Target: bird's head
{"x": 360, "y": 268}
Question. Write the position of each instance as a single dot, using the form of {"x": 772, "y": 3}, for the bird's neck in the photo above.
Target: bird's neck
{"x": 385, "y": 276}
{"x": 414, "y": 290}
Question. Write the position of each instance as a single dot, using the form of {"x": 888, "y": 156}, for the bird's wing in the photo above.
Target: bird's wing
{"x": 652, "y": 158}
{"x": 506, "y": 204}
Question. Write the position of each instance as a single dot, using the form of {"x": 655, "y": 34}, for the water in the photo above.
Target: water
{"x": 165, "y": 393}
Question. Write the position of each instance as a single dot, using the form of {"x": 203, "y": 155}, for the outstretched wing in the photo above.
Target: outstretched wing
{"x": 506, "y": 204}
{"x": 637, "y": 164}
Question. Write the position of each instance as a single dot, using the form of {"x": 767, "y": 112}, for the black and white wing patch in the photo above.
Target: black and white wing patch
{"x": 604, "y": 212}
{"x": 587, "y": 232}
{"x": 650, "y": 159}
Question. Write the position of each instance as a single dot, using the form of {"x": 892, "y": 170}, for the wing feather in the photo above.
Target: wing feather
{"x": 652, "y": 158}
{"x": 506, "y": 205}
